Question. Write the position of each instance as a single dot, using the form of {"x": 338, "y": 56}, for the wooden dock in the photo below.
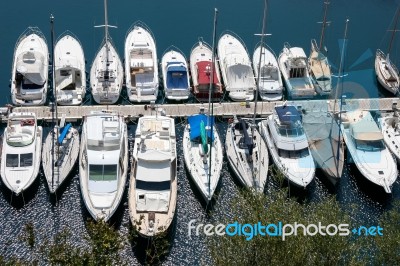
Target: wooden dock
{"x": 228, "y": 109}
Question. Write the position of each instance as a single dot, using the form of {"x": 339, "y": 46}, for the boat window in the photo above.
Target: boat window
{"x": 153, "y": 186}
{"x": 323, "y": 79}
{"x": 375, "y": 145}
{"x": 12, "y": 160}
{"x": 293, "y": 154}
{"x": 26, "y": 159}
{"x": 99, "y": 172}
{"x": 291, "y": 132}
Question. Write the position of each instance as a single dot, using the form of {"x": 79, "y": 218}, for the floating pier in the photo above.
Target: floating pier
{"x": 227, "y": 109}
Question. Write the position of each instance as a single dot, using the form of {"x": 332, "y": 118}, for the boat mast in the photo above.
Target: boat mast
{"x": 341, "y": 91}
{"x": 53, "y": 61}
{"x": 394, "y": 30}
{"x": 324, "y": 23}
{"x": 210, "y": 94}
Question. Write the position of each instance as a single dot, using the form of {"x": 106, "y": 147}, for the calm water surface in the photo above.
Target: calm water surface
{"x": 181, "y": 22}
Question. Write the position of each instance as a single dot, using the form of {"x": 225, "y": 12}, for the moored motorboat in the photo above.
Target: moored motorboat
{"x": 284, "y": 134}
{"x": 70, "y": 81}
{"x": 21, "y": 151}
{"x": 175, "y": 74}
{"x": 103, "y": 163}
{"x": 153, "y": 185}
{"x": 141, "y": 66}
{"x": 29, "y": 75}
{"x": 364, "y": 141}
{"x": 237, "y": 73}
{"x": 200, "y": 68}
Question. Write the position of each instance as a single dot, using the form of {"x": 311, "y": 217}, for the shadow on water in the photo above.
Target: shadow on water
{"x": 19, "y": 201}
{"x": 56, "y": 197}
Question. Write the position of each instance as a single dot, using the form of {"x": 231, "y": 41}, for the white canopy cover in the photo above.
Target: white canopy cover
{"x": 32, "y": 66}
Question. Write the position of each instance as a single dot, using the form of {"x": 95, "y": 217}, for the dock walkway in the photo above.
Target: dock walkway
{"x": 228, "y": 109}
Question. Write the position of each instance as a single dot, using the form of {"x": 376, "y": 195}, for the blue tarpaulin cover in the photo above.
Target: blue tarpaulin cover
{"x": 194, "y": 122}
{"x": 63, "y": 133}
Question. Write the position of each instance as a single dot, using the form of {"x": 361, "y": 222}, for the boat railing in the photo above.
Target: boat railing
{"x": 143, "y": 25}
{"x": 236, "y": 36}
{"x": 27, "y": 32}
{"x": 110, "y": 40}
{"x": 265, "y": 46}
{"x": 314, "y": 46}
{"x": 176, "y": 49}
{"x": 202, "y": 42}
{"x": 67, "y": 32}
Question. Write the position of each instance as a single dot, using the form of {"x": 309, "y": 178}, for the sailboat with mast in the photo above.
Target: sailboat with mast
{"x": 318, "y": 62}
{"x": 106, "y": 73}
{"x": 202, "y": 146}
{"x": 386, "y": 72}
{"x": 246, "y": 150}
{"x": 61, "y": 147}
{"x": 324, "y": 135}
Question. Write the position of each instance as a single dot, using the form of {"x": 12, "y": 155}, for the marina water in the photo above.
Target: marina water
{"x": 180, "y": 23}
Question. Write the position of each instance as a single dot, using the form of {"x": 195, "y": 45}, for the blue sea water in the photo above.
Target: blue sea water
{"x": 180, "y": 23}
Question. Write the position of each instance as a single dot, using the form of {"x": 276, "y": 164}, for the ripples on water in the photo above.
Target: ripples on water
{"x": 51, "y": 216}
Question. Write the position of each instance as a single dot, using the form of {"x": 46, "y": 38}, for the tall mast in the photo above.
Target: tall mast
{"x": 210, "y": 94}
{"x": 53, "y": 68}
{"x": 324, "y": 23}
{"x": 105, "y": 22}
{"x": 341, "y": 91}
{"x": 394, "y": 30}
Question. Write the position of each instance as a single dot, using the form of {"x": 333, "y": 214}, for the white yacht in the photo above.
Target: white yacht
{"x": 153, "y": 183}
{"x": 296, "y": 74}
{"x": 106, "y": 73}
{"x": 70, "y": 74}
{"x": 236, "y": 69}
{"x": 175, "y": 75}
{"x": 364, "y": 141}
{"x": 29, "y": 76}
{"x": 64, "y": 144}
{"x": 22, "y": 147}
{"x": 203, "y": 154}
{"x": 247, "y": 154}
{"x": 390, "y": 126}
{"x": 200, "y": 69}
{"x": 141, "y": 66}
{"x": 288, "y": 146}
{"x": 270, "y": 85}
{"x": 103, "y": 163}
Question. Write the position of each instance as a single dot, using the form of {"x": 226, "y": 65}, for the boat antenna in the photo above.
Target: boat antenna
{"x": 54, "y": 97}
{"x": 210, "y": 97}
{"x": 394, "y": 30}
{"x": 324, "y": 24}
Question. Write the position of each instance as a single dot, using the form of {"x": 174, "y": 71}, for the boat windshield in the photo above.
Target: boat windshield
{"x": 290, "y": 131}
{"x": 153, "y": 186}
{"x": 22, "y": 160}
{"x": 293, "y": 154}
{"x": 374, "y": 145}
{"x": 100, "y": 172}
{"x": 323, "y": 78}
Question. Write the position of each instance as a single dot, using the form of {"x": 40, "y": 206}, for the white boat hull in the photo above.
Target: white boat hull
{"x": 141, "y": 69}
{"x": 29, "y": 75}
{"x": 178, "y": 88}
{"x": 236, "y": 69}
{"x": 65, "y": 157}
{"x": 252, "y": 173}
{"x": 198, "y": 165}
{"x": 70, "y": 71}
{"x": 106, "y": 86}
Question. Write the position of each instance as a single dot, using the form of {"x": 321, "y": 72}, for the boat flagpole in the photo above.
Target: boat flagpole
{"x": 210, "y": 102}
